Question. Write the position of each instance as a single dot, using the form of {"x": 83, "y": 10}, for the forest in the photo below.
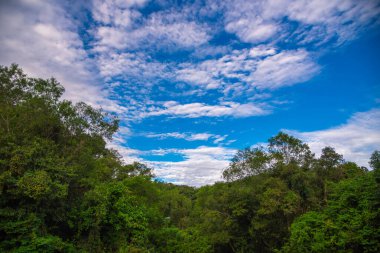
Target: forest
{"x": 63, "y": 190}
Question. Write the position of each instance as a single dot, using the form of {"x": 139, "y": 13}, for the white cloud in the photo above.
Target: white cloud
{"x": 198, "y": 77}
{"x": 262, "y": 50}
{"x": 284, "y": 69}
{"x": 172, "y": 28}
{"x": 259, "y": 67}
{"x": 318, "y": 21}
{"x": 200, "y": 136}
{"x": 195, "y": 110}
{"x": 214, "y": 73}
{"x": 222, "y": 138}
{"x": 252, "y": 30}
{"x": 356, "y": 139}
{"x": 120, "y": 49}
{"x": 114, "y": 12}
{"x": 40, "y": 37}
{"x": 188, "y": 136}
{"x": 110, "y": 37}
{"x": 130, "y": 65}
{"x": 165, "y": 30}
{"x": 201, "y": 166}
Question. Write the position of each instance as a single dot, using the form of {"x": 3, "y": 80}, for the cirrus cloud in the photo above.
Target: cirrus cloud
{"x": 195, "y": 110}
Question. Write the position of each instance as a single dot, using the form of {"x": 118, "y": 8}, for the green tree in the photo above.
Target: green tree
{"x": 288, "y": 149}
{"x": 247, "y": 162}
{"x": 348, "y": 223}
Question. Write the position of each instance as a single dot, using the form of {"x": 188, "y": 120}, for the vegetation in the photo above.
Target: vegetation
{"x": 62, "y": 190}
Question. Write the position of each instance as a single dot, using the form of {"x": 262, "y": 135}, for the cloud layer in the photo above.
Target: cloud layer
{"x": 165, "y": 62}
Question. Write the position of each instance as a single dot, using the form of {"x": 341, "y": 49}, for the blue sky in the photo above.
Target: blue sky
{"x": 194, "y": 81}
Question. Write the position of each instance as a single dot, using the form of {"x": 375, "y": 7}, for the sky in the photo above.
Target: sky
{"x": 194, "y": 81}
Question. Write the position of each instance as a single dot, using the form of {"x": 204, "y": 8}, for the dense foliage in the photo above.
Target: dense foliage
{"x": 62, "y": 190}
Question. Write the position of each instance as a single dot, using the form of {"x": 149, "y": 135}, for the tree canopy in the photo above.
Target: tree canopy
{"x": 63, "y": 190}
